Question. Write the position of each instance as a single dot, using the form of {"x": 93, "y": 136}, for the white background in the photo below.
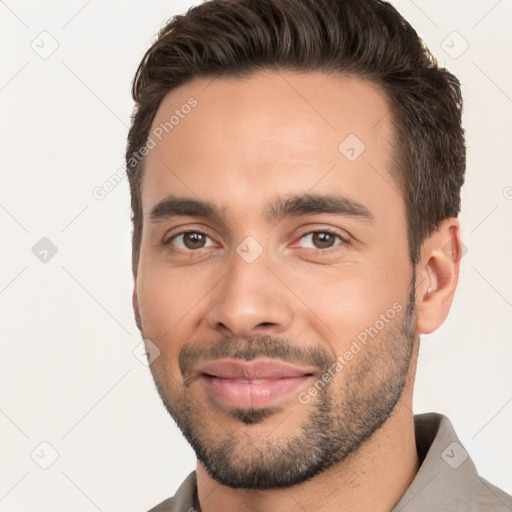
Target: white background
{"x": 68, "y": 375}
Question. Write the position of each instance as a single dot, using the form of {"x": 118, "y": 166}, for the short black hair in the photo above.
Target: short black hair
{"x": 367, "y": 39}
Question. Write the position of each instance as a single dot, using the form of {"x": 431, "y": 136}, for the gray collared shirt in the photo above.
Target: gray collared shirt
{"x": 447, "y": 480}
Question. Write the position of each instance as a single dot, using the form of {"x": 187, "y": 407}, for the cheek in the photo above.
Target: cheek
{"x": 340, "y": 302}
{"x": 163, "y": 303}
{"x": 168, "y": 298}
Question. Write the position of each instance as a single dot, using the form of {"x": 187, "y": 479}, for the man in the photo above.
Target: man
{"x": 295, "y": 169}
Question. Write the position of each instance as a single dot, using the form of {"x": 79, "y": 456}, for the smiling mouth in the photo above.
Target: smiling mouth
{"x": 254, "y": 394}
{"x": 254, "y": 384}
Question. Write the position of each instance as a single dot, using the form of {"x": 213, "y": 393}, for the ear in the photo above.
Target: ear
{"x": 437, "y": 274}
{"x": 135, "y": 303}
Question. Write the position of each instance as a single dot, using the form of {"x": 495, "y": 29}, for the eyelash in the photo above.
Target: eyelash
{"x": 344, "y": 241}
{"x": 328, "y": 250}
{"x": 173, "y": 237}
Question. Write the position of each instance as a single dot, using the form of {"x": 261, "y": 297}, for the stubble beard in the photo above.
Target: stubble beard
{"x": 340, "y": 418}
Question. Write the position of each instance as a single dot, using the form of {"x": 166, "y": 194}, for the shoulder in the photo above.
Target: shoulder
{"x": 183, "y": 500}
{"x": 491, "y": 498}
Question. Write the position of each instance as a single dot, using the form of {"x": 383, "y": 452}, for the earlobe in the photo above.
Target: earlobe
{"x": 437, "y": 275}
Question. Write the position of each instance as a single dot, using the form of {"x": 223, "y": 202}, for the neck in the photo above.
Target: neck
{"x": 373, "y": 478}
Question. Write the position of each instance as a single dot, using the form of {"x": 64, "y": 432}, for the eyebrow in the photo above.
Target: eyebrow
{"x": 173, "y": 206}
{"x": 297, "y": 205}
{"x": 314, "y": 204}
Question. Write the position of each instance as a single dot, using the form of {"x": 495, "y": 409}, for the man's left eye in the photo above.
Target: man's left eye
{"x": 320, "y": 240}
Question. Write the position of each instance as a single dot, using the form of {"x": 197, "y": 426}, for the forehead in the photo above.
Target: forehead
{"x": 284, "y": 132}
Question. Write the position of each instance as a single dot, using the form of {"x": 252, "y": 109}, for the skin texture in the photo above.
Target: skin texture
{"x": 246, "y": 143}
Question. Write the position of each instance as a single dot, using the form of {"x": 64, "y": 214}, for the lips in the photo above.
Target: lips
{"x": 251, "y": 370}
{"x": 252, "y": 384}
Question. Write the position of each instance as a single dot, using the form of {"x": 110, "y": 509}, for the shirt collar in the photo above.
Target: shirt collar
{"x": 447, "y": 479}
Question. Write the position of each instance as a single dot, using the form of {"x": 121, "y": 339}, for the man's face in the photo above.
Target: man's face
{"x": 274, "y": 274}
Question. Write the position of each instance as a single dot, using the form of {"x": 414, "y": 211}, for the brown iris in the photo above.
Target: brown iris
{"x": 322, "y": 239}
{"x": 194, "y": 240}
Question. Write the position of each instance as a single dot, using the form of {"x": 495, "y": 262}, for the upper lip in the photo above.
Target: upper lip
{"x": 250, "y": 370}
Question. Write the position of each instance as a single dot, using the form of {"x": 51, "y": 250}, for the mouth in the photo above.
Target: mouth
{"x": 253, "y": 384}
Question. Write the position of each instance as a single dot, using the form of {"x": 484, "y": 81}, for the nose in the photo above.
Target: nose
{"x": 250, "y": 300}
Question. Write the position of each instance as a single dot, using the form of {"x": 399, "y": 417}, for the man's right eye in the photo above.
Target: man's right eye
{"x": 190, "y": 240}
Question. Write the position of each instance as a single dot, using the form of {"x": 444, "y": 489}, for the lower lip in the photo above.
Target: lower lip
{"x": 252, "y": 394}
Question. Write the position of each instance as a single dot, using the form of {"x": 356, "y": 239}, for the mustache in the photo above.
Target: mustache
{"x": 265, "y": 346}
